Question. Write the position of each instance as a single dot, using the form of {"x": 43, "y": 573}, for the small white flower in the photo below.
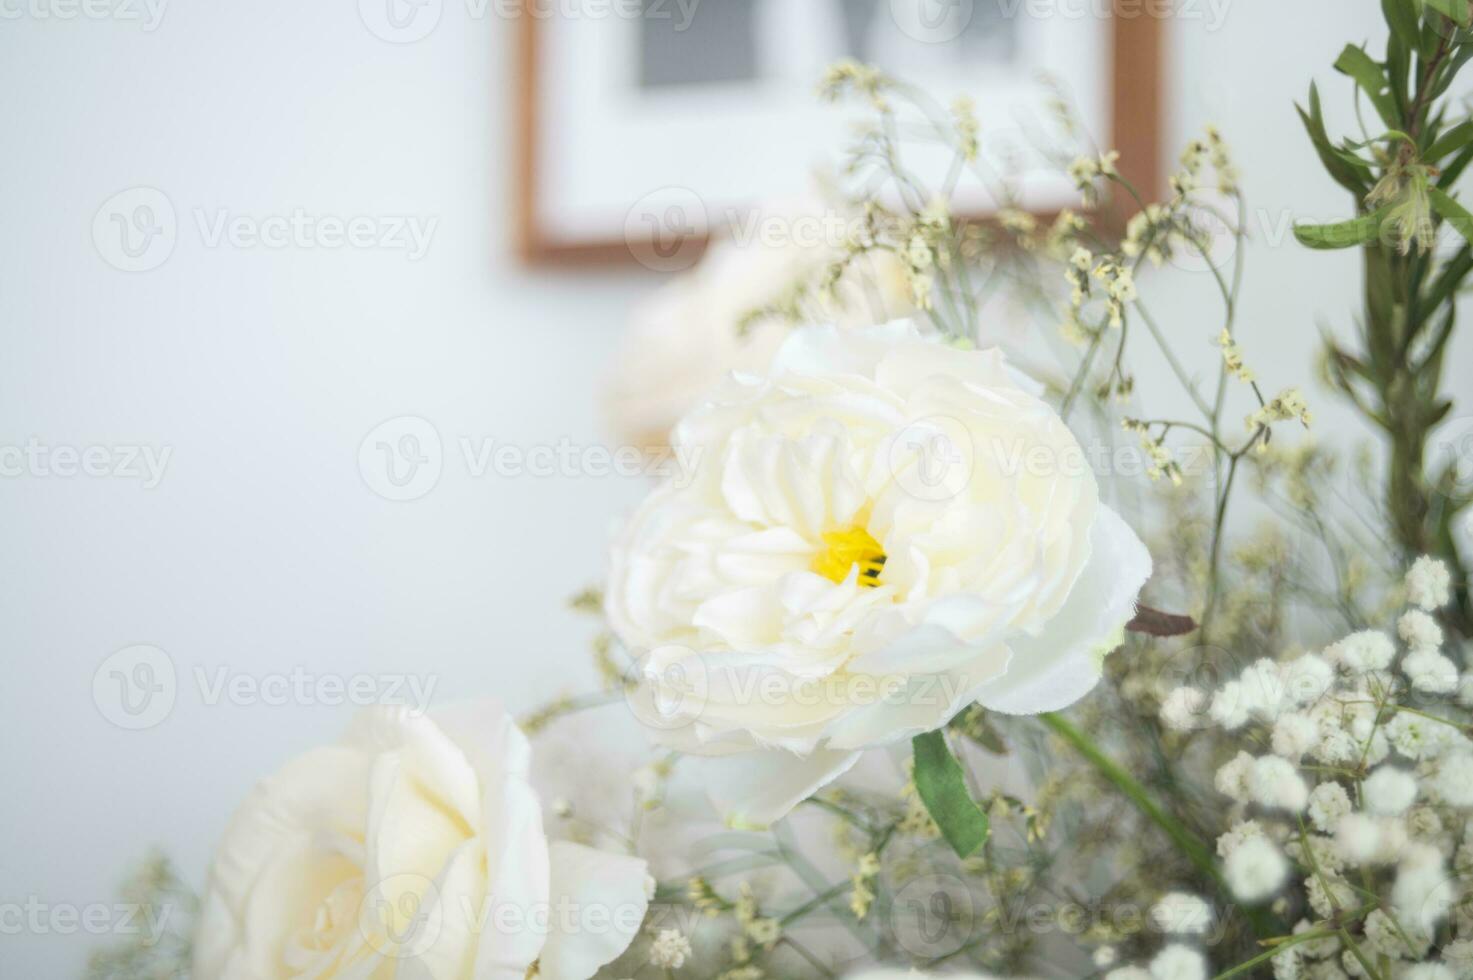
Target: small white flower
{"x": 1337, "y": 745}
{"x": 670, "y": 949}
{"x": 1359, "y": 840}
{"x": 1419, "y": 630}
{"x": 1428, "y": 971}
{"x": 1315, "y": 850}
{"x": 1232, "y": 777}
{"x": 1241, "y": 831}
{"x": 1465, "y": 690}
{"x": 1181, "y": 711}
{"x": 1307, "y": 679}
{"x": 1395, "y": 940}
{"x": 1322, "y": 889}
{"x": 1289, "y": 965}
{"x": 1274, "y": 782}
{"x": 646, "y": 781}
{"x": 1263, "y": 686}
{"x": 1295, "y": 733}
{"x": 1363, "y": 651}
{"x": 1376, "y": 752}
{"x": 1454, "y": 780}
{"x": 1458, "y": 956}
{"x": 1230, "y": 706}
{"x": 1105, "y": 957}
{"x": 1177, "y": 962}
{"x": 1255, "y": 869}
{"x": 1318, "y": 949}
{"x": 1328, "y": 803}
{"x": 1428, "y": 583}
{"x": 1417, "y": 737}
{"x": 1390, "y": 791}
{"x": 1430, "y": 672}
{"x": 1182, "y": 913}
{"x": 1423, "y": 893}
{"x": 1423, "y": 823}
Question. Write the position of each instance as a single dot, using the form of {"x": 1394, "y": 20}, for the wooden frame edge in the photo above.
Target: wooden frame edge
{"x": 1137, "y": 123}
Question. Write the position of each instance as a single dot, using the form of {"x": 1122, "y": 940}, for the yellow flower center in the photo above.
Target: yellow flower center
{"x": 846, "y": 549}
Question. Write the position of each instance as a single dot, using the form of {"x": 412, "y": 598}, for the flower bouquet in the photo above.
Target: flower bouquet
{"x": 946, "y": 655}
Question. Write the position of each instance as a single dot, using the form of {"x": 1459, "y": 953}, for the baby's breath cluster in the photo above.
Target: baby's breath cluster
{"x": 1350, "y": 795}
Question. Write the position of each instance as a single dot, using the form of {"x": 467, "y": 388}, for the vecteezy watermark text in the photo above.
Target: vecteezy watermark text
{"x": 403, "y": 459}
{"x": 407, "y": 21}
{"x": 37, "y": 459}
{"x": 138, "y": 687}
{"x": 137, "y": 230}
{"x": 36, "y": 916}
{"x": 146, "y": 13}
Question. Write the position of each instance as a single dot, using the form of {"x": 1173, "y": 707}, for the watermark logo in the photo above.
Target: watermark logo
{"x": 1214, "y": 240}
{"x": 932, "y": 458}
{"x": 1448, "y": 459}
{"x": 402, "y": 459}
{"x": 932, "y": 916}
{"x": 933, "y": 21}
{"x": 135, "y": 230}
{"x": 401, "y": 917}
{"x": 136, "y": 687}
{"x": 666, "y": 689}
{"x": 401, "y": 21}
{"x": 666, "y": 229}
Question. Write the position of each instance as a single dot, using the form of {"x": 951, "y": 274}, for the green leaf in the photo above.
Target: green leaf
{"x": 1456, "y": 10}
{"x": 1354, "y": 61}
{"x": 1361, "y": 166}
{"x": 1452, "y": 212}
{"x": 1341, "y": 234}
{"x": 1449, "y": 280}
{"x": 1387, "y": 137}
{"x": 1448, "y": 74}
{"x": 943, "y": 788}
{"x": 1454, "y": 169}
{"x": 1450, "y": 142}
{"x": 1314, "y": 124}
{"x": 1400, "y": 43}
{"x": 1402, "y": 16}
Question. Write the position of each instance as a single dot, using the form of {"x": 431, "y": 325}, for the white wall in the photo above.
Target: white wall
{"x": 262, "y": 549}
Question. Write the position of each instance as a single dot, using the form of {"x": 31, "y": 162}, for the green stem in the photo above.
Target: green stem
{"x": 1262, "y": 923}
{"x": 1184, "y": 839}
{"x": 1325, "y": 931}
{"x": 1264, "y": 957}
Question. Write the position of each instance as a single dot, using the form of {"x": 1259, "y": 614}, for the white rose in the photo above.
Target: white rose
{"x": 685, "y": 338}
{"x": 412, "y": 848}
{"x": 882, "y": 531}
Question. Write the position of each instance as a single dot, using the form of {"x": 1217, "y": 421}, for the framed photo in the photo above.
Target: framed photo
{"x": 634, "y": 113}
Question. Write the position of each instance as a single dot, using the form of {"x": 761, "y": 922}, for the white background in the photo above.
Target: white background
{"x": 263, "y": 549}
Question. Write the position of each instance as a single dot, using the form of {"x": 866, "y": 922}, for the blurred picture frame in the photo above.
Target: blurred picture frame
{"x": 634, "y": 113}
